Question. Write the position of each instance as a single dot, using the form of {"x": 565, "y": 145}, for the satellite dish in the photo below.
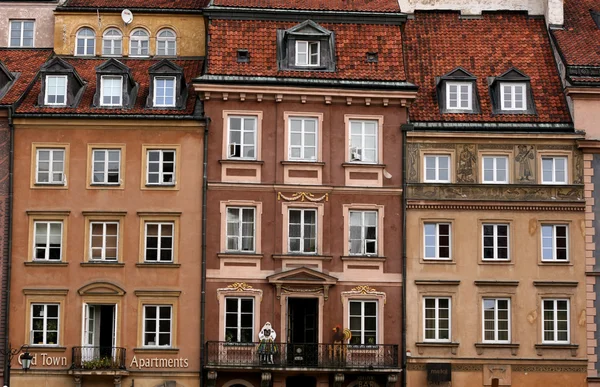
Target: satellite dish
{"x": 127, "y": 16}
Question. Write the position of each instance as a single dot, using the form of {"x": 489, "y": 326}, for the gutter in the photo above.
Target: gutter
{"x": 506, "y": 127}
{"x": 203, "y": 347}
{"x": 106, "y": 116}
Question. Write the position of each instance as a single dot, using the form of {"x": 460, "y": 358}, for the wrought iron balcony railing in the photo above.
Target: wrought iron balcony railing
{"x": 281, "y": 355}
{"x": 98, "y": 358}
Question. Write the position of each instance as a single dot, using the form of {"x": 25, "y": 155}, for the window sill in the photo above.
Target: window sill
{"x": 555, "y": 263}
{"x": 156, "y": 350}
{"x": 438, "y": 261}
{"x": 572, "y": 347}
{"x": 105, "y": 186}
{"x": 421, "y": 345}
{"x": 366, "y": 258}
{"x": 101, "y": 264}
{"x": 361, "y": 164}
{"x": 154, "y": 265}
{"x": 514, "y": 347}
{"x": 239, "y": 255}
{"x": 302, "y": 162}
{"x": 241, "y": 161}
{"x": 43, "y": 263}
{"x": 46, "y": 348}
{"x": 496, "y": 262}
{"x": 50, "y": 186}
{"x": 302, "y": 256}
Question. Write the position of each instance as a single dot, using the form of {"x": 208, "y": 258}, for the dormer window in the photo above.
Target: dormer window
{"x": 307, "y": 53}
{"x": 112, "y": 90}
{"x": 511, "y": 93}
{"x": 167, "y": 86}
{"x": 458, "y": 96}
{"x": 6, "y": 80}
{"x": 56, "y": 90}
{"x": 306, "y": 46}
{"x": 86, "y": 42}
{"x": 164, "y": 91}
{"x": 512, "y": 96}
{"x": 457, "y": 92}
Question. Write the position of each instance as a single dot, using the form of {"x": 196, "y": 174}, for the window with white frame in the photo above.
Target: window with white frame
{"x": 555, "y": 242}
{"x": 106, "y": 166}
{"x": 239, "y": 320}
{"x": 160, "y": 167}
{"x": 166, "y": 43}
{"x": 302, "y": 230}
{"x": 363, "y": 322}
{"x": 158, "y": 323}
{"x": 363, "y": 141}
{"x": 436, "y": 319}
{"x": 307, "y": 53}
{"x": 437, "y": 240}
{"x": 50, "y": 166}
{"x": 363, "y": 233}
{"x": 496, "y": 320}
{"x": 139, "y": 43}
{"x": 56, "y": 90}
{"x": 513, "y": 96}
{"x": 112, "y": 41}
{"x": 86, "y": 42}
{"x": 555, "y": 321}
{"x": 44, "y": 324}
{"x": 495, "y": 242}
{"x": 458, "y": 96}
{"x": 47, "y": 240}
{"x": 164, "y": 91}
{"x": 554, "y": 170}
{"x": 21, "y": 33}
{"x": 240, "y": 229}
{"x": 241, "y": 137}
{"x": 303, "y": 139}
{"x": 159, "y": 241}
{"x": 104, "y": 241}
{"x": 112, "y": 90}
{"x": 437, "y": 168}
{"x": 495, "y": 169}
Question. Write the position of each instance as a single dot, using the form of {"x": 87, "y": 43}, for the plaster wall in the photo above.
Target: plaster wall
{"x": 530, "y": 379}
{"x": 41, "y": 12}
{"x": 190, "y": 30}
{"x": 586, "y": 116}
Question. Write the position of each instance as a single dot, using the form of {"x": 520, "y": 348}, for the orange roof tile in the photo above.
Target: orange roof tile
{"x": 154, "y": 4}
{"x": 321, "y": 5}
{"x": 27, "y": 62}
{"x": 579, "y": 41}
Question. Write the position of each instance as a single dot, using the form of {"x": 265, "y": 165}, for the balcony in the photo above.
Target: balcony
{"x": 346, "y": 357}
{"x": 98, "y": 359}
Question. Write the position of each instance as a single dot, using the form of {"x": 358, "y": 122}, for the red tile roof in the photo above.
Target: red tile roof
{"x": 579, "y": 41}
{"x": 86, "y": 68}
{"x": 438, "y": 42}
{"x": 27, "y": 62}
{"x": 148, "y": 4}
{"x": 352, "y": 42}
{"x": 321, "y": 5}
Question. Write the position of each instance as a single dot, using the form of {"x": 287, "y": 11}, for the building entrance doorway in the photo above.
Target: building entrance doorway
{"x": 303, "y": 331}
{"x": 99, "y": 331}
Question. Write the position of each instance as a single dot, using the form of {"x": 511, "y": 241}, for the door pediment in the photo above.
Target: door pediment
{"x": 302, "y": 276}
{"x": 101, "y": 289}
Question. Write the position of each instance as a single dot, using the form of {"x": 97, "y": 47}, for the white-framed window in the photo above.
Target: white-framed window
{"x": 437, "y": 168}
{"x": 158, "y": 323}
{"x": 239, "y": 320}
{"x": 86, "y": 42}
{"x": 555, "y": 242}
{"x": 495, "y": 169}
{"x": 554, "y": 170}
{"x": 159, "y": 239}
{"x": 44, "y": 324}
{"x": 106, "y": 166}
{"x": 112, "y": 90}
{"x": 458, "y": 96}
{"x": 437, "y": 319}
{"x": 555, "y": 321}
{"x": 112, "y": 42}
{"x": 21, "y": 33}
{"x": 161, "y": 167}
{"x": 437, "y": 240}
{"x": 307, "y": 53}
{"x": 50, "y": 166}
{"x": 47, "y": 240}
{"x": 302, "y": 230}
{"x": 139, "y": 43}
{"x": 513, "y": 96}
{"x": 496, "y": 320}
{"x": 104, "y": 241}
{"x": 241, "y": 137}
{"x": 363, "y": 233}
{"x": 164, "y": 91}
{"x": 241, "y": 229}
{"x": 303, "y": 139}
{"x": 363, "y": 322}
{"x": 495, "y": 242}
{"x": 166, "y": 43}
{"x": 363, "y": 141}
{"x": 56, "y": 90}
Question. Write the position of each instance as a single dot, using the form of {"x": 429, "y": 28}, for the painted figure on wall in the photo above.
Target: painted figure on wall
{"x": 267, "y": 348}
{"x": 523, "y": 158}
{"x": 466, "y": 162}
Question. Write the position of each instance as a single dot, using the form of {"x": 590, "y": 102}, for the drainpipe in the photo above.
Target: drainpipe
{"x": 203, "y": 265}
{"x": 405, "y": 128}
{"x": 7, "y": 258}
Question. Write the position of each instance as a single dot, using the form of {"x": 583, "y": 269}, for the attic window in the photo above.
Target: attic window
{"x": 511, "y": 93}
{"x": 168, "y": 89}
{"x": 458, "y": 95}
{"x": 306, "y": 46}
{"x": 243, "y": 56}
{"x": 56, "y": 90}
{"x": 372, "y": 57}
{"x": 512, "y": 96}
{"x": 457, "y": 92}
{"x": 307, "y": 53}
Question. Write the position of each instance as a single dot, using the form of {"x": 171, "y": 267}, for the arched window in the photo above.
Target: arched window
{"x": 86, "y": 42}
{"x": 112, "y": 42}
{"x": 138, "y": 45}
{"x": 166, "y": 41}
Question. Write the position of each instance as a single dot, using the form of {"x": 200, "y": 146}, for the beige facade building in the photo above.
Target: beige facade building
{"x": 27, "y": 24}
